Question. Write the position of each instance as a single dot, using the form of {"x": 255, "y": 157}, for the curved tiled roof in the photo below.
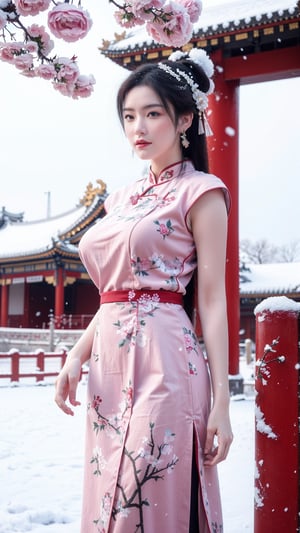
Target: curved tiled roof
{"x": 214, "y": 20}
{"x": 41, "y": 237}
{"x": 274, "y": 278}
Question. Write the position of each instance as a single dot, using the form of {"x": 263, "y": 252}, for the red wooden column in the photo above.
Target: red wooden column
{"x": 223, "y": 159}
{"x": 276, "y": 416}
{"x": 4, "y": 304}
{"x": 26, "y": 305}
{"x": 59, "y": 295}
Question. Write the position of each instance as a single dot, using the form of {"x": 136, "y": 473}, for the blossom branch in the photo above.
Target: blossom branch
{"x": 169, "y": 23}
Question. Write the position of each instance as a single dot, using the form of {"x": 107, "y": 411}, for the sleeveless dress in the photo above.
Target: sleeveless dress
{"x": 148, "y": 387}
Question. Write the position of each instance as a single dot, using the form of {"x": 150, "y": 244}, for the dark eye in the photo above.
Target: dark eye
{"x": 128, "y": 117}
{"x": 153, "y": 114}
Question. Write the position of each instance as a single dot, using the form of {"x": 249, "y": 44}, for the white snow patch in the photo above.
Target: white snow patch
{"x": 258, "y": 498}
{"x": 261, "y": 424}
{"x": 277, "y": 303}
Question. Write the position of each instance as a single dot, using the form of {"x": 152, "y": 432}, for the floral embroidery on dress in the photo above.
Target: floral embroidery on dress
{"x": 132, "y": 330}
{"x": 102, "y": 521}
{"x": 143, "y": 265}
{"x": 216, "y": 528}
{"x": 149, "y": 462}
{"x": 167, "y": 200}
{"x": 140, "y": 204}
{"x": 134, "y": 198}
{"x": 190, "y": 339}
{"x": 99, "y": 461}
{"x": 164, "y": 229}
{"x": 95, "y": 356}
{"x": 114, "y": 425}
{"x": 167, "y": 175}
{"x": 192, "y": 369}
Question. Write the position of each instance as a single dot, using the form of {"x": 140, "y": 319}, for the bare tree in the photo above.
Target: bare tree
{"x": 288, "y": 253}
{"x": 258, "y": 251}
{"x": 262, "y": 251}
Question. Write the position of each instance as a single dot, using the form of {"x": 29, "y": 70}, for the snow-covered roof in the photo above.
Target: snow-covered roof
{"x": 218, "y": 19}
{"x": 275, "y": 278}
{"x": 27, "y": 238}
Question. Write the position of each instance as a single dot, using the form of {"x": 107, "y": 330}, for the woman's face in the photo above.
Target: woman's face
{"x": 149, "y": 128}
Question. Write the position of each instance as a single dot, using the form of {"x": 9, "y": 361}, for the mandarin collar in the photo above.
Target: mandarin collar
{"x": 170, "y": 172}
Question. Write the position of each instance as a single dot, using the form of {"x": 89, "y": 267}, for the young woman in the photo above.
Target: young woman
{"x": 154, "y": 437}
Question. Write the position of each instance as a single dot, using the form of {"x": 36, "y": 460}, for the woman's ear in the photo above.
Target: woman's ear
{"x": 185, "y": 121}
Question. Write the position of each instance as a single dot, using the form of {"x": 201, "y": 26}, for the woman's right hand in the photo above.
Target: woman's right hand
{"x": 66, "y": 385}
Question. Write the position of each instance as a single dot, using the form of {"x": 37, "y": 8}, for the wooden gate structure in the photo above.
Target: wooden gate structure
{"x": 249, "y": 42}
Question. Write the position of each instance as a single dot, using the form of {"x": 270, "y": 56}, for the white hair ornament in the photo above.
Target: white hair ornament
{"x": 200, "y": 58}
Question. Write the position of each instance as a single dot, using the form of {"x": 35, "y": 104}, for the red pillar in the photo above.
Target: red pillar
{"x": 4, "y": 305}
{"x": 276, "y": 416}
{"x": 26, "y": 305}
{"x": 223, "y": 158}
{"x": 59, "y": 295}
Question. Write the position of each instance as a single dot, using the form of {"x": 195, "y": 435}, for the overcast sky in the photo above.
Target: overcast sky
{"x": 52, "y": 143}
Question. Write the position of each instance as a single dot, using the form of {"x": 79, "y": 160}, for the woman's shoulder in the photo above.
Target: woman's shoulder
{"x": 199, "y": 177}
{"x": 196, "y": 183}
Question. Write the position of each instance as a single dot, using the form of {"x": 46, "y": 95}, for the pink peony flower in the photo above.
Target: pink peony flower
{"x": 64, "y": 88}
{"x": 43, "y": 38}
{"x": 193, "y": 7}
{"x": 8, "y": 51}
{"x": 23, "y": 61}
{"x": 31, "y": 7}
{"x": 163, "y": 230}
{"x": 32, "y": 47}
{"x": 67, "y": 70}
{"x": 3, "y": 19}
{"x": 69, "y": 22}
{"x": 177, "y": 31}
{"x": 46, "y": 71}
{"x": 29, "y": 73}
{"x": 83, "y": 86}
{"x": 128, "y": 19}
{"x": 140, "y": 6}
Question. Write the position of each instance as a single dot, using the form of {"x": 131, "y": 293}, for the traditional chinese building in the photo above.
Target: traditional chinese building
{"x": 249, "y": 42}
{"x": 41, "y": 272}
{"x": 260, "y": 281}
{"x": 40, "y": 269}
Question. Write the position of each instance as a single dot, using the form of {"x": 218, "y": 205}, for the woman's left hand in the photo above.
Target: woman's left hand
{"x": 218, "y": 437}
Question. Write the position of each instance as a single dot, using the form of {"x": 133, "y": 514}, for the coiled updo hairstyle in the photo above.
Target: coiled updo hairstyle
{"x": 175, "y": 95}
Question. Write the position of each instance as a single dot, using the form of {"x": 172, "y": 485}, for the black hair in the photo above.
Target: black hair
{"x": 176, "y": 96}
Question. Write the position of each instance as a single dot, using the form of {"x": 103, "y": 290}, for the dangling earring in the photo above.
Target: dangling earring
{"x": 184, "y": 141}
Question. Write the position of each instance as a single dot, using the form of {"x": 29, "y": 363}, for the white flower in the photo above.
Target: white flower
{"x": 176, "y": 56}
{"x": 201, "y": 58}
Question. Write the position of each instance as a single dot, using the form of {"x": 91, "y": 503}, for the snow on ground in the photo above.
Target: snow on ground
{"x": 41, "y": 459}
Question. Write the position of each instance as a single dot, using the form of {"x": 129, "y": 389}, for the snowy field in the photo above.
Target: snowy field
{"x": 41, "y": 457}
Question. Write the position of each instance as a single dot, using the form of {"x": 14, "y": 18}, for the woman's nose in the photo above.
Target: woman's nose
{"x": 140, "y": 126}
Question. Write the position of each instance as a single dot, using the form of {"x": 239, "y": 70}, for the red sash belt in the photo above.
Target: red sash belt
{"x": 134, "y": 295}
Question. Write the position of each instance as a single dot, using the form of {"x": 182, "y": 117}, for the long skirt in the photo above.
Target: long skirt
{"x": 148, "y": 403}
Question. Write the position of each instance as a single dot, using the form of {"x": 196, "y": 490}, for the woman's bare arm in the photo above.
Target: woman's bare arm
{"x": 209, "y": 225}
{"x": 68, "y": 378}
